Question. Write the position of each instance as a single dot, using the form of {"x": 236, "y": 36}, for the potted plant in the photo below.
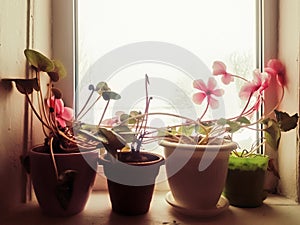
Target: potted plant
{"x": 197, "y": 151}
{"x": 247, "y": 168}
{"x": 130, "y": 172}
{"x": 63, "y": 168}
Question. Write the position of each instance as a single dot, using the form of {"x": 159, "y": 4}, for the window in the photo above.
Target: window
{"x": 174, "y": 43}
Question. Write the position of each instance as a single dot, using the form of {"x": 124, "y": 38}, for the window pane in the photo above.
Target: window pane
{"x": 172, "y": 41}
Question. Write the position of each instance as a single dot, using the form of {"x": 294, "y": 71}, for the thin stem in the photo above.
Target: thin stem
{"x": 91, "y": 106}
{"x": 200, "y": 118}
{"x": 53, "y": 158}
{"x": 104, "y": 111}
{"x": 35, "y": 112}
{"x": 85, "y": 105}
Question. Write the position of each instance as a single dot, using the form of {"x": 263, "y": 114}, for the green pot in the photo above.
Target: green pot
{"x": 245, "y": 180}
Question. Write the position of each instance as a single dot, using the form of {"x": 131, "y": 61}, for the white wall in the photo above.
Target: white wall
{"x": 16, "y": 33}
{"x": 289, "y": 48}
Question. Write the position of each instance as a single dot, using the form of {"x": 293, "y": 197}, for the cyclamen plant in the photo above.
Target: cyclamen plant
{"x": 252, "y": 92}
{"x": 58, "y": 121}
{"x": 201, "y": 131}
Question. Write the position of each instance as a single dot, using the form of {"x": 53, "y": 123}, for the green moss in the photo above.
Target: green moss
{"x": 252, "y": 162}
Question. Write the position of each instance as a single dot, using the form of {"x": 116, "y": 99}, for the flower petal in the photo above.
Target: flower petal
{"x": 200, "y": 85}
{"x": 213, "y": 103}
{"x": 227, "y": 78}
{"x": 219, "y": 68}
{"x": 61, "y": 122}
{"x": 67, "y": 114}
{"x": 247, "y": 90}
{"x": 199, "y": 97}
{"x": 218, "y": 92}
{"x": 211, "y": 84}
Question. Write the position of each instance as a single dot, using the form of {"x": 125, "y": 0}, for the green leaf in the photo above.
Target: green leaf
{"x": 272, "y": 133}
{"x": 243, "y": 120}
{"x": 39, "y": 61}
{"x": 285, "y": 121}
{"x": 64, "y": 187}
{"x": 233, "y": 126}
{"x": 125, "y": 132}
{"x": 59, "y": 71}
{"x": 108, "y": 95}
{"x": 186, "y": 130}
{"x": 222, "y": 121}
{"x": 115, "y": 141}
{"x": 101, "y": 87}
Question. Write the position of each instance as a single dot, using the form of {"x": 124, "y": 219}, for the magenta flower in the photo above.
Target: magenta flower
{"x": 219, "y": 68}
{"x": 260, "y": 82}
{"x": 207, "y": 91}
{"x": 276, "y": 68}
{"x": 63, "y": 113}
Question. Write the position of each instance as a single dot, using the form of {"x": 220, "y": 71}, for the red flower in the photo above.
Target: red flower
{"x": 260, "y": 82}
{"x": 63, "y": 113}
{"x": 219, "y": 68}
{"x": 207, "y": 91}
{"x": 276, "y": 68}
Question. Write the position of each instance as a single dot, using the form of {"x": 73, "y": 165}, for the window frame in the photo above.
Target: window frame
{"x": 64, "y": 42}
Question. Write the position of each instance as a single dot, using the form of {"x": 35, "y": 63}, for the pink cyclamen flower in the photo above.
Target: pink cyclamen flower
{"x": 260, "y": 82}
{"x": 219, "y": 68}
{"x": 276, "y": 68}
{"x": 207, "y": 91}
{"x": 63, "y": 113}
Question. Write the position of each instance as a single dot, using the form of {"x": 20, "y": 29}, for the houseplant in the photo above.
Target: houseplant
{"x": 192, "y": 149}
{"x": 130, "y": 172}
{"x": 246, "y": 173}
{"x": 63, "y": 168}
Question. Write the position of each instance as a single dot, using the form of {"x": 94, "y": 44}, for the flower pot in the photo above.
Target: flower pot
{"x": 245, "y": 180}
{"x": 196, "y": 173}
{"x": 131, "y": 183}
{"x": 58, "y": 198}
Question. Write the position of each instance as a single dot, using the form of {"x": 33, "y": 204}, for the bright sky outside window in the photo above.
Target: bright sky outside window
{"x": 121, "y": 41}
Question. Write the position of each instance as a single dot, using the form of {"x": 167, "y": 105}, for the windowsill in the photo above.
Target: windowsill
{"x": 276, "y": 210}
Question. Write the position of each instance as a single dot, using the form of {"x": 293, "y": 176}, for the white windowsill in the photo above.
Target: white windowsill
{"x": 276, "y": 210}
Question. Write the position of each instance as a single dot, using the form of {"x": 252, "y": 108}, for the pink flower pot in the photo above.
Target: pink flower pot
{"x": 57, "y": 199}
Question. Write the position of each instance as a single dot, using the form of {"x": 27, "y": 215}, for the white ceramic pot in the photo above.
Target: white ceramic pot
{"x": 197, "y": 173}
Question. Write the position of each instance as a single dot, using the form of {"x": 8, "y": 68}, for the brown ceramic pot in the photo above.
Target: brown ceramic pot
{"x": 62, "y": 199}
{"x": 131, "y": 183}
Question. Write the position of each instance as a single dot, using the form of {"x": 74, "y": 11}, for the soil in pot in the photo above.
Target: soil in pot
{"x": 131, "y": 181}
{"x": 245, "y": 181}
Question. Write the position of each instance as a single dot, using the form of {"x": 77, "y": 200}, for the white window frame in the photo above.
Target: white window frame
{"x": 64, "y": 43}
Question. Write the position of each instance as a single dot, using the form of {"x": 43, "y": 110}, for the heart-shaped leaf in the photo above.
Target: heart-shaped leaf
{"x": 39, "y": 61}
{"x": 101, "y": 87}
{"x": 243, "y": 120}
{"x": 25, "y": 85}
{"x": 108, "y": 95}
{"x": 285, "y": 121}
{"x": 115, "y": 141}
{"x": 272, "y": 133}
{"x": 57, "y": 93}
{"x": 59, "y": 71}
{"x": 64, "y": 187}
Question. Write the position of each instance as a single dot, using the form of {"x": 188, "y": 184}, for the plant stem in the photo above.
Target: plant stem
{"x": 53, "y": 158}
{"x": 104, "y": 111}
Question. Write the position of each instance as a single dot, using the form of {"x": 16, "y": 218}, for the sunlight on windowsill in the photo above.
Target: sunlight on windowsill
{"x": 276, "y": 210}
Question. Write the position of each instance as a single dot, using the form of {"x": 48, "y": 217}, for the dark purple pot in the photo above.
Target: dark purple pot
{"x": 131, "y": 184}
{"x": 46, "y": 186}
